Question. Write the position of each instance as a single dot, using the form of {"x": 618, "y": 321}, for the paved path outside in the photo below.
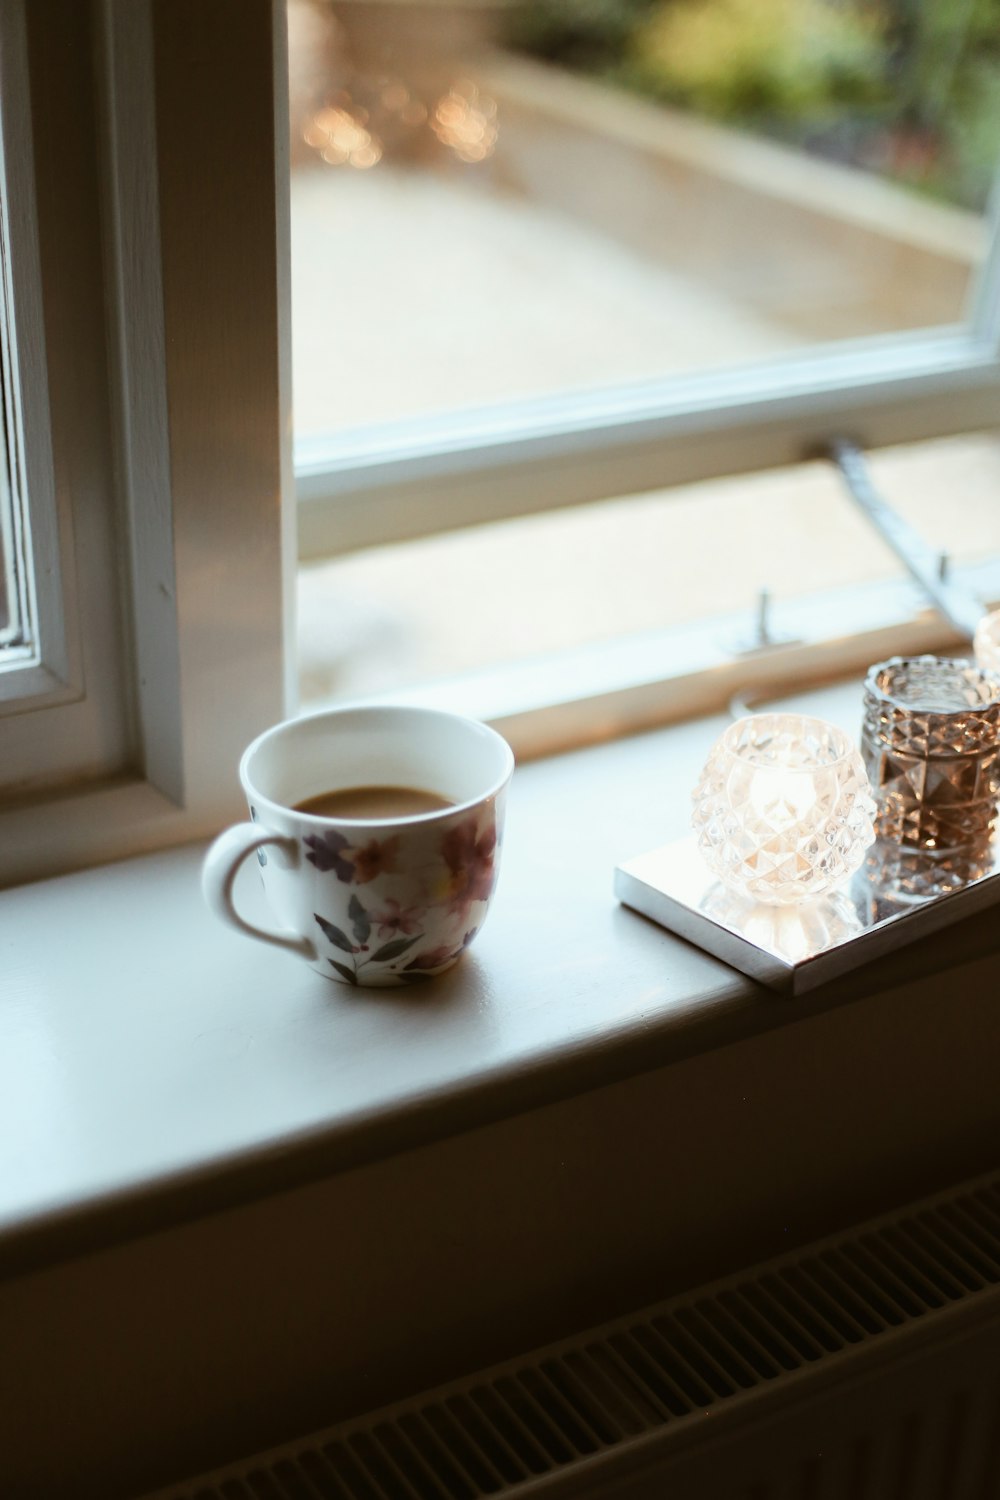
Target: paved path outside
{"x": 415, "y": 292}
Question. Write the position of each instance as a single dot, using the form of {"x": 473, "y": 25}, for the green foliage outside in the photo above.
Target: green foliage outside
{"x": 908, "y": 88}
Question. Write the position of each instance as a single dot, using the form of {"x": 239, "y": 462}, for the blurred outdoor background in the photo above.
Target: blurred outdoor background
{"x": 495, "y": 202}
{"x": 908, "y": 90}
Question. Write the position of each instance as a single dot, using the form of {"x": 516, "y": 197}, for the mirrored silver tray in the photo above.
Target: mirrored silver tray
{"x": 896, "y": 898}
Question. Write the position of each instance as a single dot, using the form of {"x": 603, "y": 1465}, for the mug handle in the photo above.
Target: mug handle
{"x": 219, "y": 872}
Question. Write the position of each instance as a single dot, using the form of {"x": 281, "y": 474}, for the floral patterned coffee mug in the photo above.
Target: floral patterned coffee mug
{"x": 369, "y": 900}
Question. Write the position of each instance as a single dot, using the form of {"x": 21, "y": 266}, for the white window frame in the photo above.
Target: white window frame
{"x": 391, "y": 484}
{"x": 197, "y": 474}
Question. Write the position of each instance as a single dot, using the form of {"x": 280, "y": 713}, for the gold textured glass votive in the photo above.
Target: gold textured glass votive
{"x": 783, "y": 810}
{"x": 931, "y": 744}
{"x": 900, "y": 877}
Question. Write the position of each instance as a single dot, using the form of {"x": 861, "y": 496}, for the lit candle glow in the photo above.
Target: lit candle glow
{"x": 783, "y": 810}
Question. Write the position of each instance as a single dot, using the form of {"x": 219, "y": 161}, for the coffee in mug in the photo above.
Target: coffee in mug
{"x": 372, "y": 802}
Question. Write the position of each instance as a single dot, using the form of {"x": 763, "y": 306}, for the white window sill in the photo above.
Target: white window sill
{"x": 155, "y": 1066}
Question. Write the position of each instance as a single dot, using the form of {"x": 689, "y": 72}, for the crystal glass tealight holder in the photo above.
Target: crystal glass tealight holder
{"x": 931, "y": 743}
{"x": 794, "y": 931}
{"x": 783, "y": 810}
{"x": 987, "y": 644}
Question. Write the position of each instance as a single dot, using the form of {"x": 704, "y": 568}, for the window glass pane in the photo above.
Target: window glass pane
{"x": 391, "y": 616}
{"x": 13, "y": 627}
{"x": 5, "y": 587}
{"x": 5, "y": 559}
{"x": 494, "y": 202}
